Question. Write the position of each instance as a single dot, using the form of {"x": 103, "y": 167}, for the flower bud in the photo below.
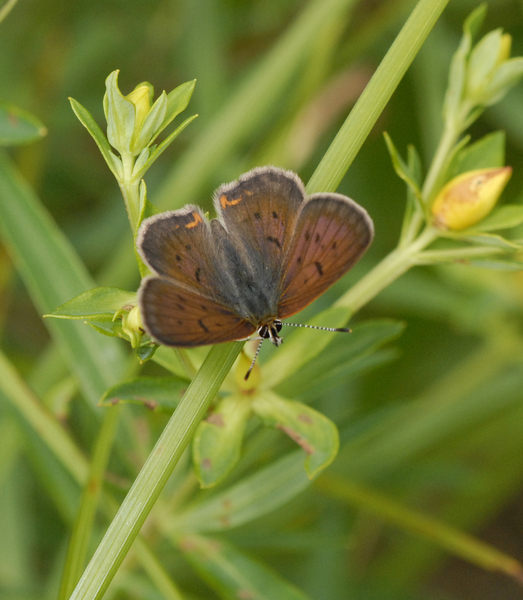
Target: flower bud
{"x": 469, "y": 198}
{"x": 132, "y": 324}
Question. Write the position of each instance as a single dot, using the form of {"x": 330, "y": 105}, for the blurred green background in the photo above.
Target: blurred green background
{"x": 437, "y": 424}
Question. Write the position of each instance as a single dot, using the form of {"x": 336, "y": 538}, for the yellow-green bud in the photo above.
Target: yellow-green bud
{"x": 141, "y": 98}
{"x": 132, "y": 325}
{"x": 469, "y": 198}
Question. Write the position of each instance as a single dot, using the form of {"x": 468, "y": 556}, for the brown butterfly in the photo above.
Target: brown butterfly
{"x": 271, "y": 252}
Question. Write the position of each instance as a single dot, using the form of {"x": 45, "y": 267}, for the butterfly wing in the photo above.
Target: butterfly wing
{"x": 177, "y": 245}
{"x": 259, "y": 213}
{"x": 183, "y": 305}
{"x": 176, "y": 316}
{"x": 331, "y": 235}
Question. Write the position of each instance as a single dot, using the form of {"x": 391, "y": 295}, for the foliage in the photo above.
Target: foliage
{"x": 385, "y": 450}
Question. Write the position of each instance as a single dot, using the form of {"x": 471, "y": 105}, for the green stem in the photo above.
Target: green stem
{"x": 155, "y": 472}
{"x": 440, "y": 161}
{"x": 389, "y": 269}
{"x": 130, "y": 191}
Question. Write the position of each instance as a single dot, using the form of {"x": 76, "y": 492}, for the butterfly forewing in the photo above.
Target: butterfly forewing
{"x": 332, "y": 233}
{"x": 175, "y": 316}
{"x": 177, "y": 245}
{"x": 259, "y": 212}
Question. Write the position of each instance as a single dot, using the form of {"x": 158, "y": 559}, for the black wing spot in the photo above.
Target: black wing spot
{"x": 200, "y": 323}
{"x": 178, "y": 257}
{"x": 203, "y": 306}
{"x": 317, "y": 238}
{"x": 188, "y": 246}
{"x": 319, "y": 267}
{"x": 273, "y": 240}
{"x": 307, "y": 236}
{"x": 274, "y": 214}
{"x": 334, "y": 245}
{"x": 257, "y": 216}
{"x": 197, "y": 274}
{"x": 298, "y": 260}
{"x": 181, "y": 306}
{"x": 180, "y": 322}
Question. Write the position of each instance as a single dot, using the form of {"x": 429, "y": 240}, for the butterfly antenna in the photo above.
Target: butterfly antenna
{"x": 339, "y": 329}
{"x": 253, "y": 360}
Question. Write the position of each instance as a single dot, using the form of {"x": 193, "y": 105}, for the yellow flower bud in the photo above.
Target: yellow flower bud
{"x": 504, "y": 48}
{"x": 468, "y": 198}
{"x": 140, "y": 97}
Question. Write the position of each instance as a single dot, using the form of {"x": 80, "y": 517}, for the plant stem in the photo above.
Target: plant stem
{"x": 389, "y": 269}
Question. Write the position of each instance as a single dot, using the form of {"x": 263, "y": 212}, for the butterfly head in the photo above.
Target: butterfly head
{"x": 270, "y": 331}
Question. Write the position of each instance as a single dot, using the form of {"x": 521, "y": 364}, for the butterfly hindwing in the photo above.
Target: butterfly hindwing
{"x": 175, "y": 316}
{"x": 332, "y": 233}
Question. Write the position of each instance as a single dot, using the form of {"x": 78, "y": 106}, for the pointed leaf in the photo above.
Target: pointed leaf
{"x": 120, "y": 114}
{"x": 488, "y": 152}
{"x": 310, "y": 429}
{"x": 177, "y": 102}
{"x": 218, "y": 439}
{"x": 505, "y": 217}
{"x": 95, "y": 302}
{"x": 402, "y": 168}
{"x": 156, "y": 393}
{"x": 86, "y": 119}
{"x": 151, "y": 126}
{"x": 497, "y": 265}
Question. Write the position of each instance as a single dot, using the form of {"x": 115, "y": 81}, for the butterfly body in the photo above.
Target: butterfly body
{"x": 270, "y": 252}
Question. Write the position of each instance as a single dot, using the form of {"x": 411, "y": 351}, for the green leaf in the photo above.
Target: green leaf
{"x": 232, "y": 574}
{"x": 218, "y": 439}
{"x": 156, "y": 393}
{"x": 86, "y": 119}
{"x": 310, "y": 429}
{"x": 488, "y": 152}
{"x": 507, "y": 75}
{"x": 163, "y": 146}
{"x": 482, "y": 62}
{"x": 177, "y": 102}
{"x": 145, "y": 352}
{"x": 150, "y": 128}
{"x": 120, "y": 114}
{"x": 497, "y": 265}
{"x": 505, "y": 217}
{"x": 491, "y": 239}
{"x": 247, "y": 500}
{"x": 402, "y": 168}
{"x": 95, "y": 303}
{"x": 18, "y": 126}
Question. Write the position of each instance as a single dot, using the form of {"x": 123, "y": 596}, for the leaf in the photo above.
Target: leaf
{"x": 234, "y": 575}
{"x": 18, "y": 126}
{"x": 497, "y": 265}
{"x": 488, "y": 152}
{"x": 310, "y": 429}
{"x": 95, "y": 303}
{"x": 482, "y": 61}
{"x": 505, "y": 217}
{"x": 218, "y": 439}
{"x": 86, "y": 119}
{"x": 402, "y": 169}
{"x": 156, "y": 393}
{"x": 507, "y": 75}
{"x": 491, "y": 239}
{"x": 177, "y": 101}
{"x": 342, "y": 355}
{"x": 247, "y": 500}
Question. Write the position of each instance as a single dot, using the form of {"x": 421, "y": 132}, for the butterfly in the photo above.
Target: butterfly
{"x": 270, "y": 252}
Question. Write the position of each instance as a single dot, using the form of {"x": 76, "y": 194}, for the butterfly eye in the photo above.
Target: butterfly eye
{"x": 277, "y": 325}
{"x": 264, "y": 332}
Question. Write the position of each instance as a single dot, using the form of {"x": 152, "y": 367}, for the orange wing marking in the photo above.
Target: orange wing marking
{"x": 197, "y": 220}
{"x": 225, "y": 202}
